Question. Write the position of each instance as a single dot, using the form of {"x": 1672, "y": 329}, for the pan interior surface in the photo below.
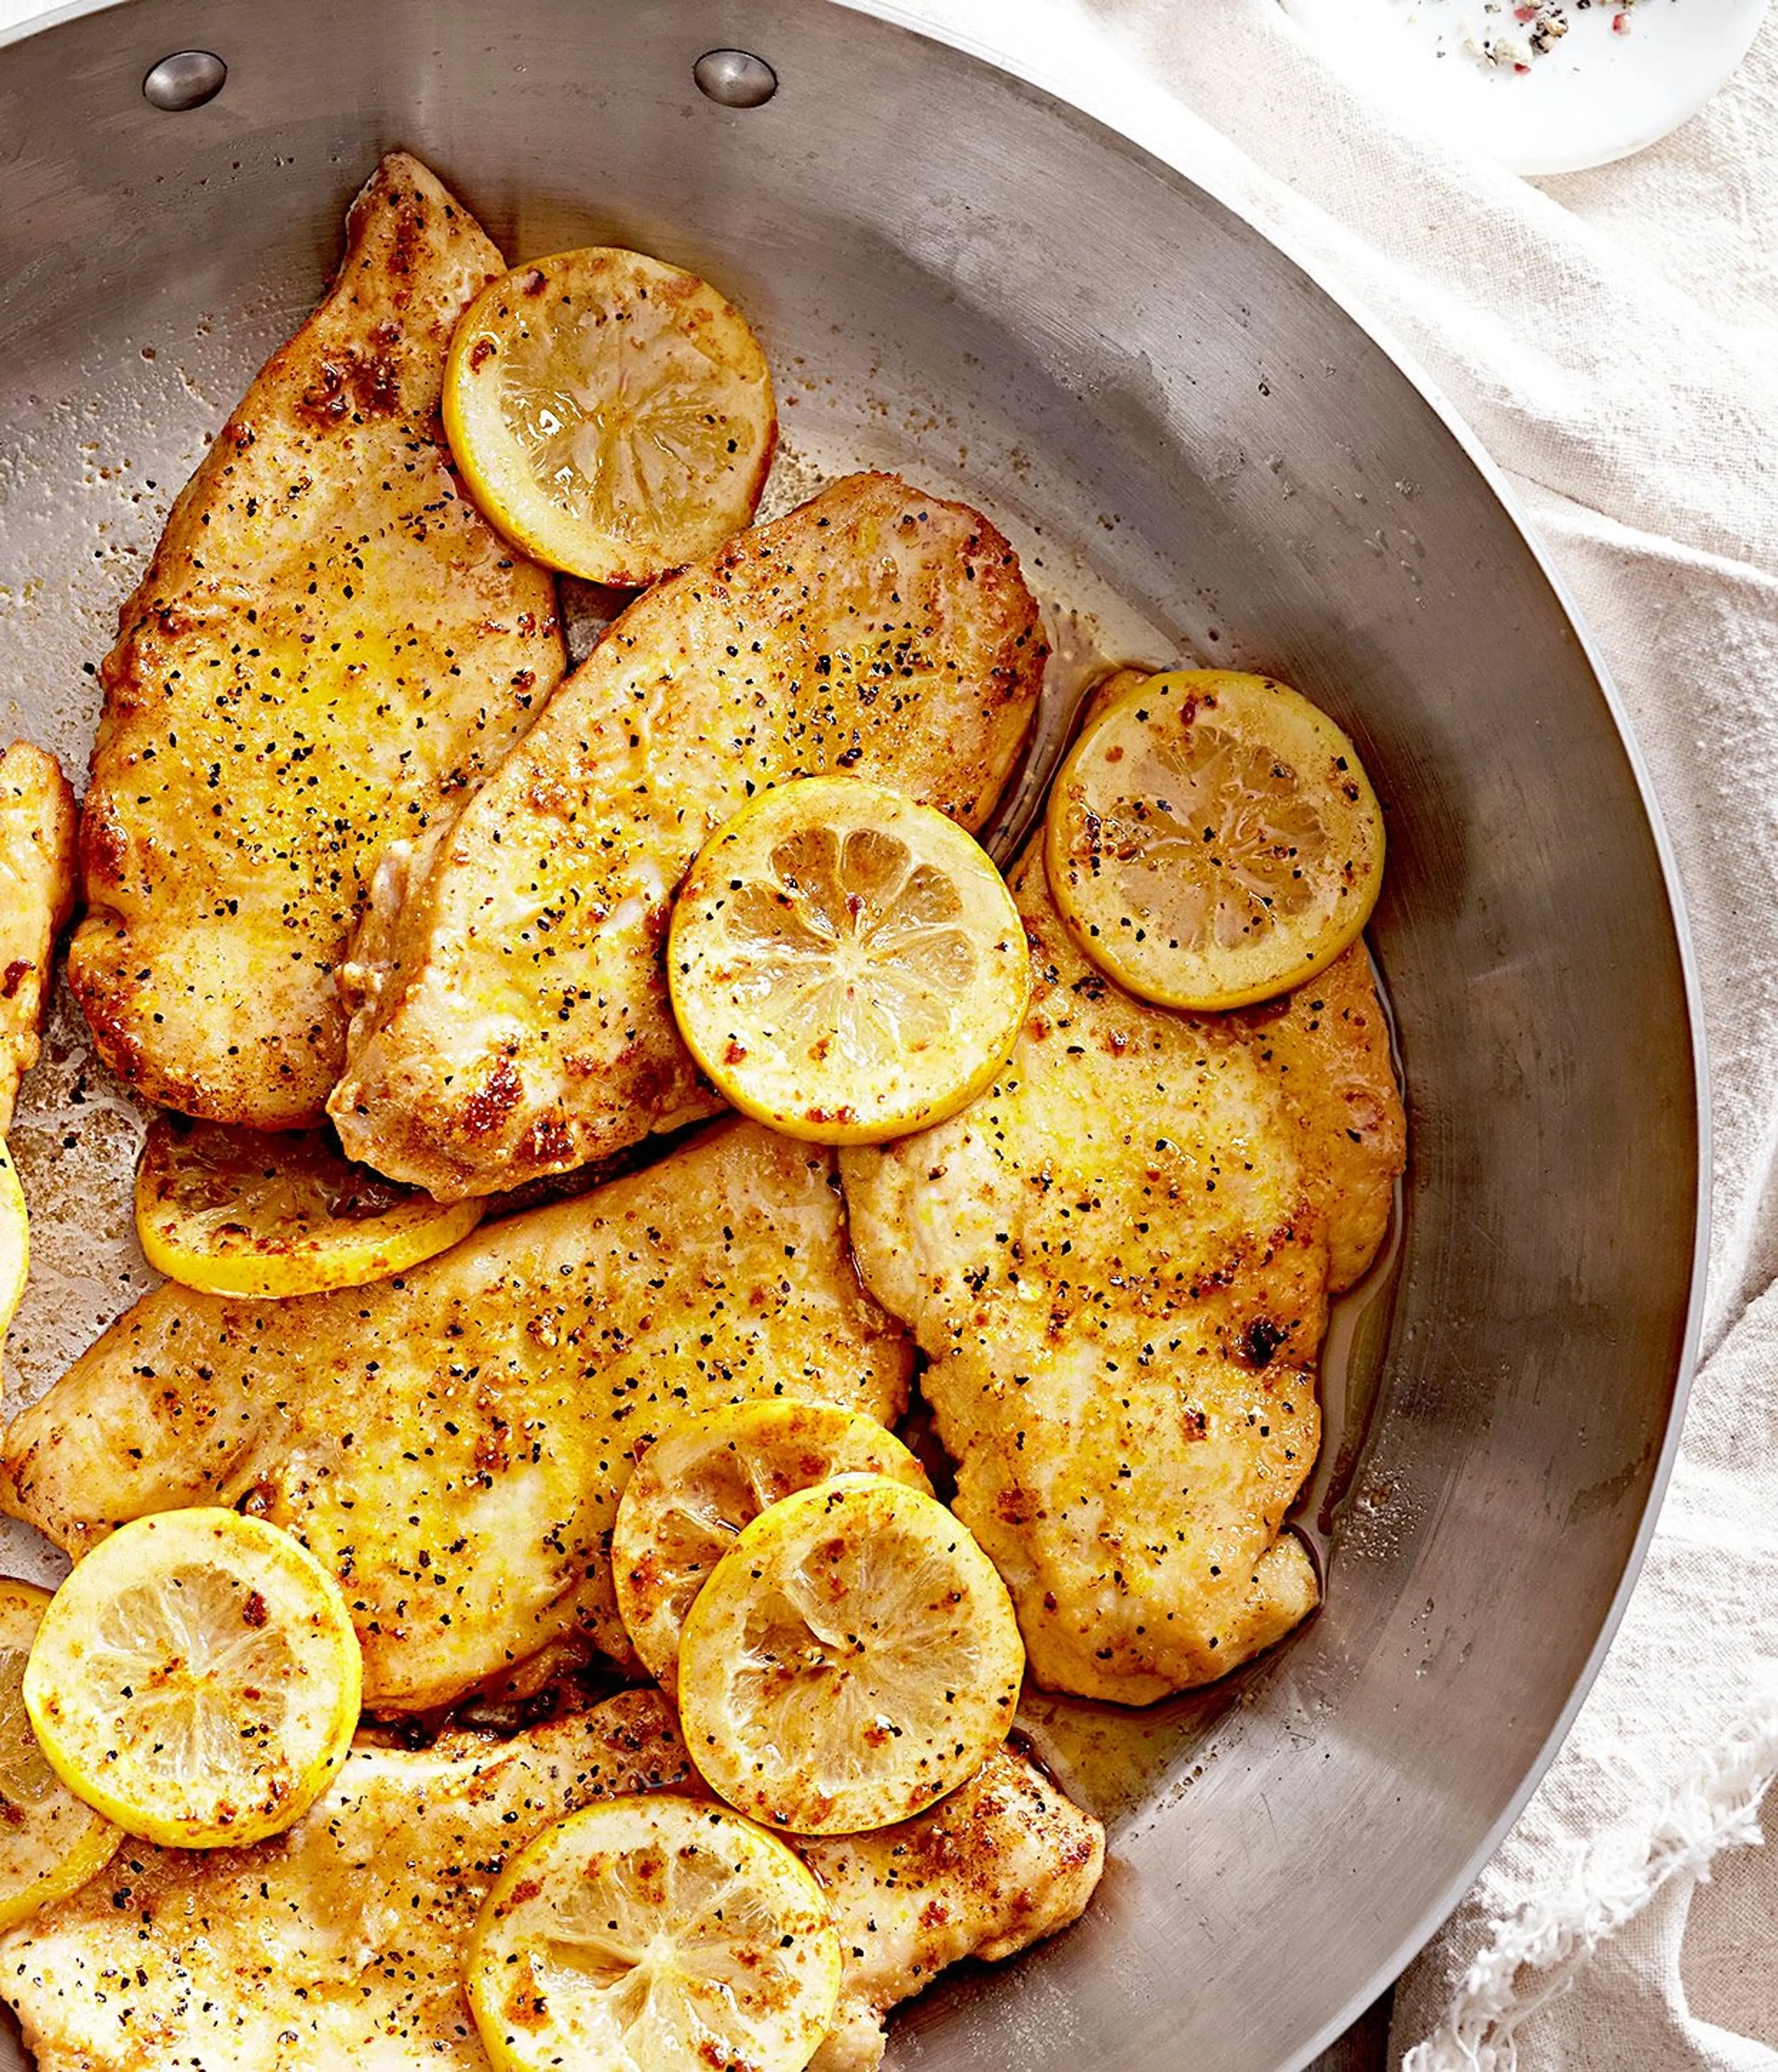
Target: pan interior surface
{"x": 1198, "y": 454}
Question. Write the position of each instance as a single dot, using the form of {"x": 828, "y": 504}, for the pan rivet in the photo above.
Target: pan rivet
{"x": 187, "y": 79}
{"x": 735, "y": 78}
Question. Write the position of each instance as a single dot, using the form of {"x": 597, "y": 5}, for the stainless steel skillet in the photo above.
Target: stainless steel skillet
{"x": 1198, "y": 451}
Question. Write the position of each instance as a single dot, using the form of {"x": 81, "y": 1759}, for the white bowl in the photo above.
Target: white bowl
{"x": 1597, "y": 94}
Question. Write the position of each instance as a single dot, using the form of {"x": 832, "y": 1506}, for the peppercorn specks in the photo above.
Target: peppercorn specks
{"x": 524, "y": 1025}
{"x": 1118, "y": 1262}
{"x": 330, "y": 647}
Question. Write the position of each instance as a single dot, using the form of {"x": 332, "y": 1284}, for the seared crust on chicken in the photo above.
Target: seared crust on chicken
{"x": 343, "y": 1942}
{"x": 331, "y": 647}
{"x": 510, "y": 1004}
{"x": 1117, "y": 1261}
{"x": 453, "y": 1442}
{"x": 37, "y": 836}
{"x": 340, "y": 1943}
{"x": 1328, "y": 1042}
{"x": 1002, "y": 1862}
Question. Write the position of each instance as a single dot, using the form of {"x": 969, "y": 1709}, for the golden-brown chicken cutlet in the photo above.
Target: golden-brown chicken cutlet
{"x": 339, "y": 1943}
{"x": 511, "y": 1015}
{"x": 343, "y": 1942}
{"x": 453, "y": 1442}
{"x": 37, "y": 836}
{"x": 1002, "y": 1862}
{"x": 1118, "y": 1262}
{"x": 329, "y": 648}
{"x": 1328, "y": 1043}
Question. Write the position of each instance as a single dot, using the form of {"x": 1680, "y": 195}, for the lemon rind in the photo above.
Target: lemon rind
{"x": 15, "y": 1245}
{"x": 852, "y": 1807}
{"x": 792, "y": 1118}
{"x": 101, "y": 1839}
{"x": 509, "y": 496}
{"x": 1274, "y": 977}
{"x": 488, "y": 1958}
{"x": 191, "y": 1830}
{"x": 353, "y": 1256}
{"x": 646, "y": 1616}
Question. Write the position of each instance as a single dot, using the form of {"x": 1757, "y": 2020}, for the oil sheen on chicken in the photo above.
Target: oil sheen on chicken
{"x": 453, "y": 1442}
{"x": 330, "y": 647}
{"x": 1118, "y": 1262}
{"x": 510, "y": 997}
{"x": 343, "y": 1942}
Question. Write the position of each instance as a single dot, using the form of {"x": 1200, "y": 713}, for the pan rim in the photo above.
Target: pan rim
{"x": 1135, "y": 129}
{"x": 1141, "y": 130}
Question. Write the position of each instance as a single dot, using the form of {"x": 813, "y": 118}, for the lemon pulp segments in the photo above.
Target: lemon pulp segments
{"x": 244, "y": 1212}
{"x": 654, "y": 1933}
{"x": 196, "y": 1678}
{"x": 613, "y": 415}
{"x": 50, "y": 1842}
{"x": 14, "y": 1241}
{"x": 852, "y": 1659}
{"x": 706, "y": 1476}
{"x": 1211, "y": 839}
{"x": 846, "y": 965}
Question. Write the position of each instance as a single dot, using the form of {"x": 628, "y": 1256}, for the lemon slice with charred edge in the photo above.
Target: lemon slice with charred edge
{"x": 611, "y": 414}
{"x": 706, "y": 1477}
{"x": 50, "y": 1842}
{"x": 846, "y": 964}
{"x": 1211, "y": 839}
{"x": 853, "y": 1658}
{"x": 196, "y": 1678}
{"x": 244, "y": 1212}
{"x": 652, "y": 1934}
{"x": 14, "y": 1241}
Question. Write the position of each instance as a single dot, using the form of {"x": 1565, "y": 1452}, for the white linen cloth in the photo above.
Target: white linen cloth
{"x": 1613, "y": 337}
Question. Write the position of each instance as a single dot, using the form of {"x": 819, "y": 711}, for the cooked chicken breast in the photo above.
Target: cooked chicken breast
{"x": 37, "y": 833}
{"x": 1328, "y": 1044}
{"x": 342, "y": 1943}
{"x": 510, "y": 997}
{"x": 338, "y": 1944}
{"x": 1004, "y": 1861}
{"x": 1118, "y": 1262}
{"x": 453, "y": 1442}
{"x": 330, "y": 647}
